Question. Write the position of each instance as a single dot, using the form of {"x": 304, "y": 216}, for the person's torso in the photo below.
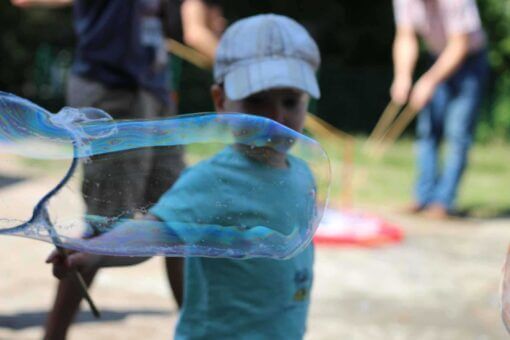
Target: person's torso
{"x": 120, "y": 43}
{"x": 436, "y": 20}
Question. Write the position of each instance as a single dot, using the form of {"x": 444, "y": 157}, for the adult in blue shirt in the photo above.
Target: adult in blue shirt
{"x": 119, "y": 67}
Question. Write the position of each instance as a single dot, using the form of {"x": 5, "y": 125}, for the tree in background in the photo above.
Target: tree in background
{"x": 495, "y": 122}
{"x": 35, "y": 50}
{"x": 355, "y": 39}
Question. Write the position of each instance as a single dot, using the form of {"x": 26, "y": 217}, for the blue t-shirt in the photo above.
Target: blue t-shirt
{"x": 256, "y": 298}
{"x": 121, "y": 44}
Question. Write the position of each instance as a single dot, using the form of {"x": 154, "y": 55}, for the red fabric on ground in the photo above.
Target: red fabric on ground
{"x": 349, "y": 228}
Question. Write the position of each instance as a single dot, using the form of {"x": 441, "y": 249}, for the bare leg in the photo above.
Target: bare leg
{"x": 175, "y": 274}
{"x": 65, "y": 307}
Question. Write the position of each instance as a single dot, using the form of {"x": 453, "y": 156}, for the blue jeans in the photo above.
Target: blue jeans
{"x": 452, "y": 114}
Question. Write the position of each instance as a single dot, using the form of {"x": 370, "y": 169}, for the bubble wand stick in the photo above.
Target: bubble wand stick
{"x": 41, "y": 208}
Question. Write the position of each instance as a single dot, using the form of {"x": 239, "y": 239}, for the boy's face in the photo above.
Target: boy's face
{"x": 287, "y": 106}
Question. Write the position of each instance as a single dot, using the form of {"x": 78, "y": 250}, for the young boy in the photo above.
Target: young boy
{"x": 264, "y": 66}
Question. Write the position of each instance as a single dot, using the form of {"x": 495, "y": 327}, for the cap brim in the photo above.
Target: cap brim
{"x": 246, "y": 80}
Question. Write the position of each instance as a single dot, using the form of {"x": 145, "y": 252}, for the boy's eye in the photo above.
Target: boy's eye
{"x": 255, "y": 100}
{"x": 290, "y": 103}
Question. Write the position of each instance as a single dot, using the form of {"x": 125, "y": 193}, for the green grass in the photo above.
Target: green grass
{"x": 389, "y": 181}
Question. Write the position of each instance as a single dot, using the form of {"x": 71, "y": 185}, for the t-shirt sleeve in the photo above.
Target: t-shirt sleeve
{"x": 461, "y": 16}
{"x": 403, "y": 13}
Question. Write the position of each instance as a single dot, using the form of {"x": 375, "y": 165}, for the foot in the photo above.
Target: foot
{"x": 413, "y": 208}
{"x": 437, "y": 212}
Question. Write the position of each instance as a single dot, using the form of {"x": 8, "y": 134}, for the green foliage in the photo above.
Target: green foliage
{"x": 496, "y": 19}
{"x": 495, "y": 121}
{"x": 355, "y": 39}
{"x": 34, "y": 50}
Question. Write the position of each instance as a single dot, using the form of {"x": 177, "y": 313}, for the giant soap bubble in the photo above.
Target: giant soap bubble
{"x": 252, "y": 187}
{"x": 505, "y": 292}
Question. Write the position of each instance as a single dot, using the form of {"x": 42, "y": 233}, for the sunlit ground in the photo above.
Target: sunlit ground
{"x": 441, "y": 282}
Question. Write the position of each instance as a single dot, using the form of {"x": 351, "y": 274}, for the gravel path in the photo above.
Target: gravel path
{"x": 441, "y": 283}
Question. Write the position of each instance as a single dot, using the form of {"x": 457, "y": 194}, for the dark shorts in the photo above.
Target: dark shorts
{"x": 123, "y": 183}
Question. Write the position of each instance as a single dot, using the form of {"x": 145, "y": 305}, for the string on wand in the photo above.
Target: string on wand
{"x": 41, "y": 212}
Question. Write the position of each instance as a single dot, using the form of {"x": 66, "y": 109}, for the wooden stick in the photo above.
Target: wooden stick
{"x": 76, "y": 275}
{"x": 189, "y": 54}
{"x": 323, "y": 128}
{"x": 41, "y": 212}
{"x": 395, "y": 131}
{"x": 387, "y": 117}
{"x": 347, "y": 173}
{"x": 320, "y": 126}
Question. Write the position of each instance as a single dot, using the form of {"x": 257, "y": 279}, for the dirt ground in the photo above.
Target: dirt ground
{"x": 441, "y": 282}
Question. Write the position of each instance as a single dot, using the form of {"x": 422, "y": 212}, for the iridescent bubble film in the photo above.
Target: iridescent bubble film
{"x": 248, "y": 186}
{"x": 505, "y": 292}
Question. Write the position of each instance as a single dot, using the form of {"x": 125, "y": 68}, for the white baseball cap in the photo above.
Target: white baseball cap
{"x": 263, "y": 52}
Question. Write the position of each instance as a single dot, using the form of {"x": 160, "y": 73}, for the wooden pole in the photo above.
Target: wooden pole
{"x": 187, "y": 53}
{"x": 387, "y": 117}
{"x": 394, "y": 132}
{"x": 323, "y": 128}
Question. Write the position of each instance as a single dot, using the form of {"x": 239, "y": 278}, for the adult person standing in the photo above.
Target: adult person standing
{"x": 119, "y": 67}
{"x": 448, "y": 94}
{"x": 202, "y": 25}
{"x": 197, "y": 24}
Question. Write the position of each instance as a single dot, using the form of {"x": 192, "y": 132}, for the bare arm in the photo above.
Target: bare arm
{"x": 446, "y": 64}
{"x": 196, "y": 29}
{"x": 41, "y": 3}
{"x": 450, "y": 59}
{"x": 148, "y": 235}
{"x": 405, "y": 54}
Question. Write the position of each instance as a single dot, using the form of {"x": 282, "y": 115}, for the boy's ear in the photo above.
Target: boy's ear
{"x": 218, "y": 97}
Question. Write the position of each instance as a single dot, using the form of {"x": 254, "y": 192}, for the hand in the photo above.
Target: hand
{"x": 216, "y": 22}
{"x": 41, "y": 3}
{"x": 422, "y": 93}
{"x": 64, "y": 264}
{"x": 21, "y": 3}
{"x": 400, "y": 90}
